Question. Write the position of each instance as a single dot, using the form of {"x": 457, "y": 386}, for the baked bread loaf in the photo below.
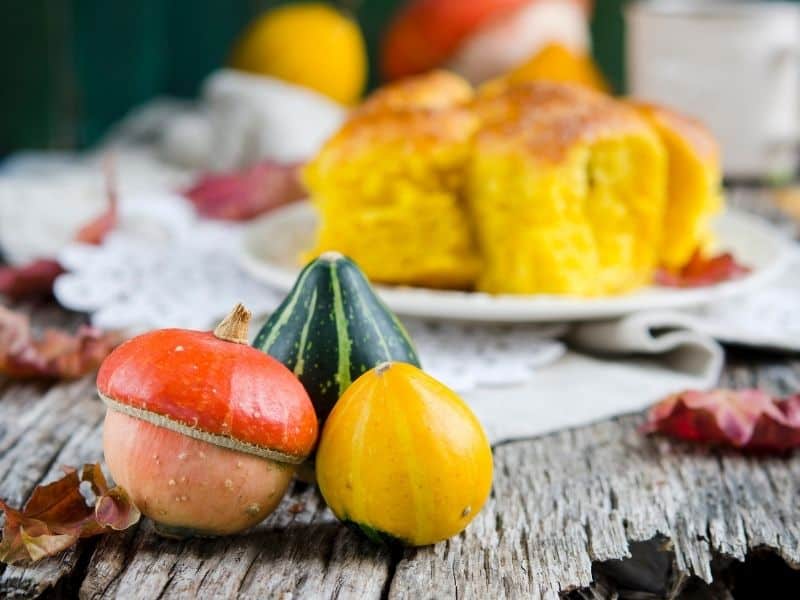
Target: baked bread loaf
{"x": 389, "y": 185}
{"x": 522, "y": 188}
{"x": 694, "y": 182}
{"x": 566, "y": 191}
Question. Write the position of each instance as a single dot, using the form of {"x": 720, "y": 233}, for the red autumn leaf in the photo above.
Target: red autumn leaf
{"x": 749, "y": 419}
{"x": 57, "y": 515}
{"x": 242, "y": 195}
{"x": 55, "y": 354}
{"x": 702, "y": 271}
{"x": 32, "y": 279}
{"x": 36, "y": 277}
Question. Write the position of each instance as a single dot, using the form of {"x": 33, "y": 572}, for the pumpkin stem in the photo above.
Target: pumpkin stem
{"x": 331, "y": 256}
{"x": 383, "y": 367}
{"x": 233, "y": 328}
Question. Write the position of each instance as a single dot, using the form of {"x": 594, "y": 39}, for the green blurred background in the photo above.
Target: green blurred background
{"x": 73, "y": 67}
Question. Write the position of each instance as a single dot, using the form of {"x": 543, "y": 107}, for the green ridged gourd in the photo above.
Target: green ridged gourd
{"x": 332, "y": 328}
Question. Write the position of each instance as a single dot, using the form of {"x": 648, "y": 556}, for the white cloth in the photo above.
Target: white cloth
{"x": 244, "y": 118}
{"x": 634, "y": 362}
{"x": 165, "y": 267}
{"x": 579, "y": 389}
{"x": 45, "y": 197}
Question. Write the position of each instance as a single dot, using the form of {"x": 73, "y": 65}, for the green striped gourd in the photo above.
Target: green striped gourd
{"x": 331, "y": 328}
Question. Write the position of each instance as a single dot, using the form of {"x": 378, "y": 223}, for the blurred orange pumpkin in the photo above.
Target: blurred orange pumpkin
{"x": 427, "y": 34}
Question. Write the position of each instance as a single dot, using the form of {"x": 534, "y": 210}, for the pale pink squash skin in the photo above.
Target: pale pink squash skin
{"x": 188, "y": 486}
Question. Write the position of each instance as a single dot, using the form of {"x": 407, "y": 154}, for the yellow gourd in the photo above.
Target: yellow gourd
{"x": 404, "y": 458}
{"x": 553, "y": 62}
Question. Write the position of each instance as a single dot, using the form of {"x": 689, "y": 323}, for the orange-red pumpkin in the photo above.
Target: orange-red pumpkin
{"x": 202, "y": 430}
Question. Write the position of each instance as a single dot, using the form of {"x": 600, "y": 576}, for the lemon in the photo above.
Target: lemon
{"x": 311, "y": 45}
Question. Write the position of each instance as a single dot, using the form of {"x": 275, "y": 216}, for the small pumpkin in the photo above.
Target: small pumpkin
{"x": 403, "y": 458}
{"x": 331, "y": 328}
{"x": 203, "y": 431}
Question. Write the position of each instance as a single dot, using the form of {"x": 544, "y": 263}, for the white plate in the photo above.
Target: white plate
{"x": 272, "y": 244}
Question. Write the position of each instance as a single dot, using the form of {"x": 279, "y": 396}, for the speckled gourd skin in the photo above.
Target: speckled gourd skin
{"x": 331, "y": 329}
{"x": 403, "y": 458}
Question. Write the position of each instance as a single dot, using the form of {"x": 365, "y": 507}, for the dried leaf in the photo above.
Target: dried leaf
{"x": 297, "y": 508}
{"x": 116, "y": 510}
{"x": 750, "y": 419}
{"x": 242, "y": 195}
{"x": 36, "y": 278}
{"x": 96, "y": 230}
{"x": 58, "y": 514}
{"x": 702, "y": 271}
{"x": 55, "y": 354}
{"x": 31, "y": 280}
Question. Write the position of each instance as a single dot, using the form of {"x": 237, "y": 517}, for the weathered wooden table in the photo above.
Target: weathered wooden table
{"x": 564, "y": 510}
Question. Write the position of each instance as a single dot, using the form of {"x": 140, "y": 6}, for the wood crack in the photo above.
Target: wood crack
{"x": 245, "y": 577}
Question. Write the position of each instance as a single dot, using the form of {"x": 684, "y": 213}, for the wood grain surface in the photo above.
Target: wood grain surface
{"x": 560, "y": 503}
{"x": 563, "y": 505}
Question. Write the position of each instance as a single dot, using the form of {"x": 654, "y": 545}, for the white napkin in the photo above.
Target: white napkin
{"x": 627, "y": 364}
{"x": 244, "y": 118}
{"x": 634, "y": 362}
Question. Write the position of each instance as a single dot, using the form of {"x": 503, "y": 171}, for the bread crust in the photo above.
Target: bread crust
{"x": 411, "y": 184}
{"x": 692, "y": 131}
{"x": 432, "y": 91}
{"x": 545, "y": 120}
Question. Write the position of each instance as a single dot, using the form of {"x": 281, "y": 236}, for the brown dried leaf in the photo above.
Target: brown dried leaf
{"x": 116, "y": 510}
{"x": 242, "y": 195}
{"x": 58, "y": 514}
{"x": 749, "y": 419}
{"x": 702, "y": 271}
{"x": 55, "y": 354}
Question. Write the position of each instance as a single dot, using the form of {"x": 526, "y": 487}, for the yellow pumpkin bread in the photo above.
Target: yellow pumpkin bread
{"x": 522, "y": 188}
{"x": 566, "y": 190}
{"x": 694, "y": 182}
{"x": 388, "y": 185}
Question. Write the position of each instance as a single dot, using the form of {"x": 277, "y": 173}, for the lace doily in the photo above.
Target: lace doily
{"x": 769, "y": 317}
{"x": 164, "y": 267}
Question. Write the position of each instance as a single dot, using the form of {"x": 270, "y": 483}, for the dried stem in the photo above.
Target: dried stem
{"x": 234, "y": 327}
